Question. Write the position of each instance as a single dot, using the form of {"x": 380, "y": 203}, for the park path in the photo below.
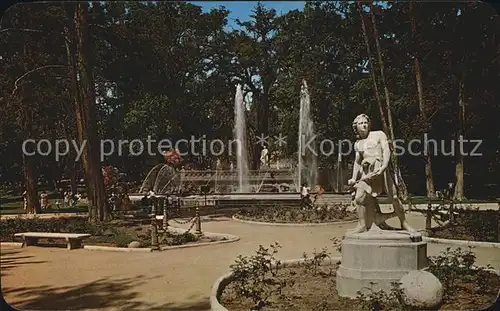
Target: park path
{"x": 178, "y": 279}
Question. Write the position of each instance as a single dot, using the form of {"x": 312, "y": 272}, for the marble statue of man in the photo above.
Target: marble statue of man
{"x": 264, "y": 157}
{"x": 371, "y": 176}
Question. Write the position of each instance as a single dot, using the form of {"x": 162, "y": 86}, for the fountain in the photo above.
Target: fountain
{"x": 228, "y": 184}
{"x": 240, "y": 136}
{"x": 307, "y": 167}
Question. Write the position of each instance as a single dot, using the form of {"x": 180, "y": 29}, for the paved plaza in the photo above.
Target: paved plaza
{"x": 180, "y": 279}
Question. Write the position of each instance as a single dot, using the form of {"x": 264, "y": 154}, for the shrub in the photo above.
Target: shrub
{"x": 312, "y": 264}
{"x": 380, "y": 300}
{"x": 280, "y": 213}
{"x": 452, "y": 266}
{"x": 256, "y": 279}
{"x": 9, "y": 227}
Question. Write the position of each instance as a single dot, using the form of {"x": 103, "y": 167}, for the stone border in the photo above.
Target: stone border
{"x": 116, "y": 249}
{"x": 224, "y": 280}
{"x": 461, "y": 242}
{"x": 229, "y": 239}
{"x": 286, "y": 224}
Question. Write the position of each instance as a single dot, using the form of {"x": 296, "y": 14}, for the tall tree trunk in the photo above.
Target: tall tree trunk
{"x": 73, "y": 174}
{"x": 87, "y": 116}
{"x": 29, "y": 175}
{"x": 32, "y": 201}
{"x": 30, "y": 179}
{"x": 459, "y": 167}
{"x": 71, "y": 166}
{"x": 402, "y": 190}
{"x": 72, "y": 63}
{"x": 382, "y": 75}
{"x": 77, "y": 48}
{"x": 421, "y": 104}
{"x": 372, "y": 69}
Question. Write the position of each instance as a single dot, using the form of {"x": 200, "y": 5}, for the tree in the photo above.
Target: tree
{"x": 83, "y": 88}
{"x": 402, "y": 190}
{"x": 421, "y": 102}
{"x": 256, "y": 62}
{"x": 371, "y": 61}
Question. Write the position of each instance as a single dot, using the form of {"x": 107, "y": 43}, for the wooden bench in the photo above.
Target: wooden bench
{"x": 74, "y": 240}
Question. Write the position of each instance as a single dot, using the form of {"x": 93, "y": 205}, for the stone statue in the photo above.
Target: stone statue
{"x": 371, "y": 176}
{"x": 264, "y": 157}
{"x": 218, "y": 164}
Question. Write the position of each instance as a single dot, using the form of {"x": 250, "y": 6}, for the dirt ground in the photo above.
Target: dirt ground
{"x": 317, "y": 291}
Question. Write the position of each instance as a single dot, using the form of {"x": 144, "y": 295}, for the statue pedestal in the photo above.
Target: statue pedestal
{"x": 377, "y": 256}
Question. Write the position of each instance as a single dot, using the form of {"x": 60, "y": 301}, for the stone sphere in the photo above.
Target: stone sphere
{"x": 422, "y": 290}
{"x": 134, "y": 244}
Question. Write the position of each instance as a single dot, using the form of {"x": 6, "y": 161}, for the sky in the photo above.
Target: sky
{"x": 243, "y": 9}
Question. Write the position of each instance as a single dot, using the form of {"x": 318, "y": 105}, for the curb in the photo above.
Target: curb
{"x": 461, "y": 242}
{"x": 18, "y": 244}
{"x": 224, "y": 280}
{"x": 229, "y": 239}
{"x": 116, "y": 249}
{"x": 284, "y": 224}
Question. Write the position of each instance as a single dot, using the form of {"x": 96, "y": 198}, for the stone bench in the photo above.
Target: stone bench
{"x": 74, "y": 240}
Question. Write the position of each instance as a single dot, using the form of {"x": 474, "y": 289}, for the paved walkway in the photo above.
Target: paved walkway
{"x": 53, "y": 278}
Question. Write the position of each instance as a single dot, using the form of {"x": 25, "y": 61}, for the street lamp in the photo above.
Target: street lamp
{"x": 154, "y": 229}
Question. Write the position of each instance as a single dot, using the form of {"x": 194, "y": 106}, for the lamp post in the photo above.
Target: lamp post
{"x": 198, "y": 222}
{"x": 154, "y": 229}
{"x": 165, "y": 220}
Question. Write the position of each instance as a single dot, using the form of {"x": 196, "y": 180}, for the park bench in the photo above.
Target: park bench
{"x": 74, "y": 240}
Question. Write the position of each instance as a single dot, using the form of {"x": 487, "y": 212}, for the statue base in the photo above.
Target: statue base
{"x": 377, "y": 256}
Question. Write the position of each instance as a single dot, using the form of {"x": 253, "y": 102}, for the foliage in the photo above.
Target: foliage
{"x": 380, "y": 300}
{"x": 469, "y": 224}
{"x": 258, "y": 277}
{"x": 312, "y": 264}
{"x": 11, "y": 226}
{"x": 156, "y": 66}
{"x": 453, "y": 266}
{"x": 119, "y": 237}
{"x": 171, "y": 239}
{"x": 337, "y": 243}
{"x": 286, "y": 214}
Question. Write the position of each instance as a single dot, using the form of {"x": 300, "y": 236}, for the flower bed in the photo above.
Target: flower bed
{"x": 261, "y": 282}
{"x": 282, "y": 214}
{"x": 471, "y": 225}
{"x": 116, "y": 233}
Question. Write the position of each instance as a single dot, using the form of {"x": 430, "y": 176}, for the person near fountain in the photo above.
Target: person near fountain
{"x": 304, "y": 196}
{"x": 151, "y": 194}
{"x": 218, "y": 164}
{"x": 264, "y": 157}
{"x": 318, "y": 194}
{"x": 371, "y": 164}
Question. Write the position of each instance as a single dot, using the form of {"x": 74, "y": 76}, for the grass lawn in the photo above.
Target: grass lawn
{"x": 13, "y": 204}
